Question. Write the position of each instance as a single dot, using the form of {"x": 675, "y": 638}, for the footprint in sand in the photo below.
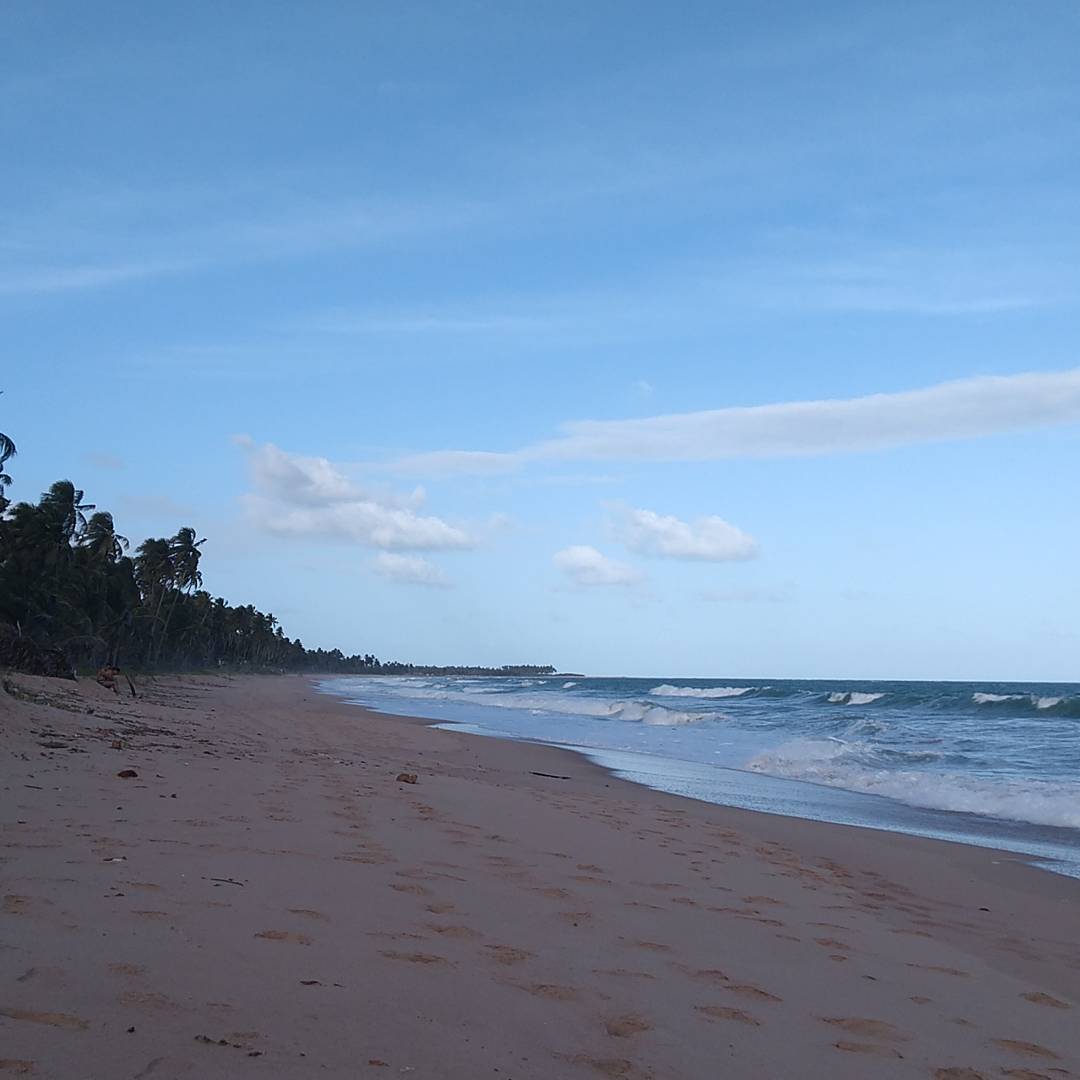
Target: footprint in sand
{"x": 623, "y": 973}
{"x": 614, "y": 1068}
{"x": 554, "y": 893}
{"x": 307, "y": 913}
{"x": 439, "y": 909}
{"x": 1029, "y": 1049}
{"x": 655, "y": 946}
{"x": 722, "y": 1012}
{"x": 941, "y": 970}
{"x": 415, "y": 957}
{"x": 548, "y": 990}
{"x": 754, "y": 992}
{"x": 1027, "y": 1074}
{"x": 18, "y": 1066}
{"x": 870, "y": 1029}
{"x": 874, "y": 1049}
{"x": 506, "y": 954}
{"x": 284, "y": 935}
{"x": 832, "y": 943}
{"x": 622, "y": 1027}
{"x": 709, "y": 975}
{"x": 418, "y": 890}
{"x": 51, "y": 1019}
{"x": 958, "y": 1072}
{"x": 454, "y": 931}
{"x": 21, "y": 905}
{"x": 150, "y": 1000}
{"x": 1039, "y": 998}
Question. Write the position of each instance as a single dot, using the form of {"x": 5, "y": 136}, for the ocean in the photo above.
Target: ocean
{"x": 996, "y": 764}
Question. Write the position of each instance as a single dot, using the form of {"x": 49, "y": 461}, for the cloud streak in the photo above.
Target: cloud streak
{"x": 950, "y": 411}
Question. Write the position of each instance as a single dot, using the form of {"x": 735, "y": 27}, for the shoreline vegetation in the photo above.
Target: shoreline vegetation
{"x": 73, "y": 598}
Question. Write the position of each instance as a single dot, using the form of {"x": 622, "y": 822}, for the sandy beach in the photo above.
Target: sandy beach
{"x": 265, "y": 898}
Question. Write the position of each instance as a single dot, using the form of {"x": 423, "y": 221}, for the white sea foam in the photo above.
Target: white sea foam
{"x": 996, "y": 699}
{"x": 567, "y": 685}
{"x": 853, "y": 697}
{"x": 667, "y": 690}
{"x": 569, "y": 704}
{"x": 836, "y": 764}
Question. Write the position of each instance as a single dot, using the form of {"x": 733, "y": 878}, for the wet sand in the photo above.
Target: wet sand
{"x": 264, "y": 898}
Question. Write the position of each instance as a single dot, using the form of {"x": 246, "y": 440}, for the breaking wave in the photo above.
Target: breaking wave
{"x": 1059, "y": 705}
{"x": 851, "y": 766}
{"x": 853, "y": 697}
{"x": 568, "y": 704}
{"x": 667, "y": 690}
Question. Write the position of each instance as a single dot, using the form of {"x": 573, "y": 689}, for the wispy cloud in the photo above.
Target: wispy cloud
{"x": 409, "y": 570}
{"x": 96, "y": 240}
{"x": 709, "y": 539}
{"x": 586, "y": 567}
{"x": 310, "y": 497}
{"x": 962, "y": 409}
{"x": 104, "y": 461}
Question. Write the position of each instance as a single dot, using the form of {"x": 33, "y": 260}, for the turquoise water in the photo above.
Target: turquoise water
{"x": 988, "y": 763}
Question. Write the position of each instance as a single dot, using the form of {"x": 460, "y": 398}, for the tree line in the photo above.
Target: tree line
{"x": 73, "y": 594}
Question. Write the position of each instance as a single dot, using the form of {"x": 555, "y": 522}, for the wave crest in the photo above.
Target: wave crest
{"x": 835, "y": 763}
{"x": 853, "y": 697}
{"x": 667, "y": 690}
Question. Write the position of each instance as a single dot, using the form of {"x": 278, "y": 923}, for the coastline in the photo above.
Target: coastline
{"x": 1053, "y": 849}
{"x": 299, "y": 903}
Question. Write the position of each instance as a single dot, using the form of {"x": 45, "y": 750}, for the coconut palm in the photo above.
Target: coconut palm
{"x": 7, "y": 450}
{"x": 101, "y": 539}
{"x": 65, "y": 511}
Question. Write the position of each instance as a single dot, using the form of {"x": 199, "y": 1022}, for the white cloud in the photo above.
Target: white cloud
{"x": 585, "y": 566}
{"x": 309, "y": 496}
{"x": 962, "y": 409}
{"x": 409, "y": 570}
{"x": 708, "y": 538}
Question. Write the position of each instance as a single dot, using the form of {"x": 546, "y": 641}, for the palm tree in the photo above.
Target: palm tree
{"x": 184, "y": 558}
{"x": 184, "y": 555}
{"x": 65, "y": 510}
{"x": 102, "y": 540}
{"x": 7, "y": 450}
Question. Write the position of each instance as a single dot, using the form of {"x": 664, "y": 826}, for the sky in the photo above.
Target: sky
{"x": 716, "y": 339}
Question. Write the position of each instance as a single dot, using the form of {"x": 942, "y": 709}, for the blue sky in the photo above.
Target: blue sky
{"x": 263, "y": 266}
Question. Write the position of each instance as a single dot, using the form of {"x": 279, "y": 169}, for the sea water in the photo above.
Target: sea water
{"x": 996, "y": 764}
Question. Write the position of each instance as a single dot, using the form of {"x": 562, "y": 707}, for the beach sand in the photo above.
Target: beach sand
{"x": 264, "y": 898}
